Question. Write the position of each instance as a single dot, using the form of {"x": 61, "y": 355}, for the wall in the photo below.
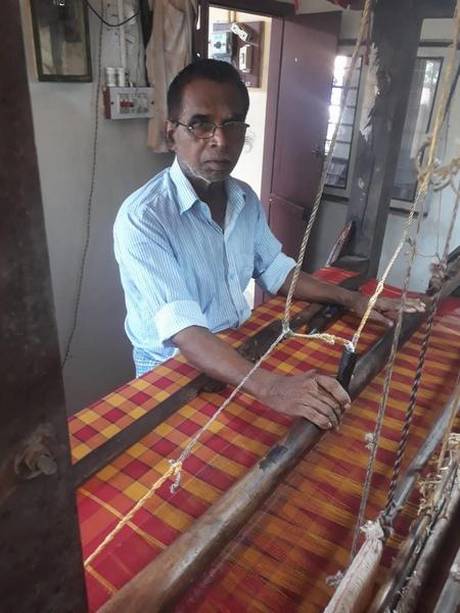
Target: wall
{"x": 64, "y": 124}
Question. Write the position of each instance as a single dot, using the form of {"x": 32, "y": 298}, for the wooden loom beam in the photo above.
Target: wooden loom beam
{"x": 159, "y": 584}
{"x": 449, "y": 599}
{"x": 316, "y": 316}
{"x": 38, "y": 516}
{"x": 395, "y": 39}
{"x": 427, "y": 556}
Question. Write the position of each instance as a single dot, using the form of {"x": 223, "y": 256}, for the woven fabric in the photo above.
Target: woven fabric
{"x": 94, "y": 425}
{"x": 304, "y": 533}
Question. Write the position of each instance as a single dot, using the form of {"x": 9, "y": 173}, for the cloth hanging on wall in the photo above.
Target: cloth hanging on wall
{"x": 168, "y": 51}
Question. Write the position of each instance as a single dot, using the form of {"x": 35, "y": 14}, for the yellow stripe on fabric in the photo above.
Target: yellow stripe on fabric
{"x": 102, "y": 580}
{"x": 110, "y": 430}
{"x": 115, "y": 399}
{"x": 223, "y": 463}
{"x": 134, "y": 527}
{"x": 201, "y": 489}
{"x": 79, "y": 451}
{"x": 140, "y": 384}
{"x": 175, "y": 518}
{"x": 88, "y": 417}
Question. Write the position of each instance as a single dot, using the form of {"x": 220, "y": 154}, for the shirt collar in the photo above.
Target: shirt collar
{"x": 187, "y": 196}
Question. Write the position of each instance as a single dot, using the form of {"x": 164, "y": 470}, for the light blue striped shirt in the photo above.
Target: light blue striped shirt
{"x": 179, "y": 268}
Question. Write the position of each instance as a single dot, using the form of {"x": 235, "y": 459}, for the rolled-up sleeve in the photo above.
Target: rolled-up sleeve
{"x": 271, "y": 265}
{"x": 155, "y": 287}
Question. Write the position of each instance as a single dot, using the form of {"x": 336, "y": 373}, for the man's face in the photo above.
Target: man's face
{"x": 212, "y": 159}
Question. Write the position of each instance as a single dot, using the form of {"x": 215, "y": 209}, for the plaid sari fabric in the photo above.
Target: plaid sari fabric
{"x": 303, "y": 533}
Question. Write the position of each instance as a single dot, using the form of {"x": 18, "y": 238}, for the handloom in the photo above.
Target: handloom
{"x": 320, "y": 496}
{"x": 163, "y": 582}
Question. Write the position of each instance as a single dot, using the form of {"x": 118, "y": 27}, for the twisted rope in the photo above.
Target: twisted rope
{"x": 425, "y": 178}
{"x": 175, "y": 468}
{"x": 363, "y": 32}
{"x": 442, "y": 274}
{"x": 426, "y": 173}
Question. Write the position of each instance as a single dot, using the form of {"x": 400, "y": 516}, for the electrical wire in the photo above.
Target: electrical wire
{"x": 89, "y": 207}
{"x": 100, "y": 16}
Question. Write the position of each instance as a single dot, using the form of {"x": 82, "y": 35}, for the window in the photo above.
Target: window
{"x": 340, "y": 162}
{"x": 420, "y": 108}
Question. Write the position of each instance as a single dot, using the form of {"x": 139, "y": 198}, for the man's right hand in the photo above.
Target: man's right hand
{"x": 319, "y": 398}
{"x": 316, "y": 397}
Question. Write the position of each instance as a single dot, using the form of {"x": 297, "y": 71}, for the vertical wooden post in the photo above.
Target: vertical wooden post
{"x": 40, "y": 557}
{"x": 394, "y": 43}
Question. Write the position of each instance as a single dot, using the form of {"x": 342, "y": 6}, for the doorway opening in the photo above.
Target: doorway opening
{"x": 243, "y": 39}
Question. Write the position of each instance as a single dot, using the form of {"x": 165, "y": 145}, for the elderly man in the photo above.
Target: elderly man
{"x": 189, "y": 241}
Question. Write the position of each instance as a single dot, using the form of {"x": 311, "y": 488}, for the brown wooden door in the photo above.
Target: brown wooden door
{"x": 303, "y": 50}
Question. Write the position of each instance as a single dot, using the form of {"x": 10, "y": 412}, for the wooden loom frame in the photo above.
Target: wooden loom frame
{"x": 34, "y": 414}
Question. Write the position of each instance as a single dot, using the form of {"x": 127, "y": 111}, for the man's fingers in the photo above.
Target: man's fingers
{"x": 320, "y": 413}
{"x": 415, "y": 305}
{"x": 376, "y": 316}
{"x": 331, "y": 402}
{"x": 412, "y": 305}
{"x": 333, "y": 387}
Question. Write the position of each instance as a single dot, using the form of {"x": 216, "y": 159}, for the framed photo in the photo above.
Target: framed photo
{"x": 61, "y": 37}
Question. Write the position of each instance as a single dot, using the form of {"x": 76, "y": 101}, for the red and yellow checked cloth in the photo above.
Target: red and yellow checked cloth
{"x": 304, "y": 533}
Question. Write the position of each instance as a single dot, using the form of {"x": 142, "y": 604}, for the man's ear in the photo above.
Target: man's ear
{"x": 170, "y": 129}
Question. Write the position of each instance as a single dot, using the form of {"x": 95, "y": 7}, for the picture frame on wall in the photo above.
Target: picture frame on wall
{"x": 61, "y": 38}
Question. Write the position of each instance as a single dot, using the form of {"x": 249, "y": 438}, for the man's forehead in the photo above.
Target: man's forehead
{"x": 210, "y": 98}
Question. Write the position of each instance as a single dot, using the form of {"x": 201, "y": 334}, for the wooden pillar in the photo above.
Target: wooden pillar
{"x": 40, "y": 556}
{"x": 394, "y": 42}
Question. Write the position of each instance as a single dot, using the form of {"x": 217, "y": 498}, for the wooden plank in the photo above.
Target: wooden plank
{"x": 162, "y": 582}
{"x": 395, "y": 37}
{"x": 318, "y": 315}
{"x": 271, "y": 8}
{"x": 425, "y": 558}
{"x": 436, "y": 9}
{"x": 40, "y": 561}
{"x": 449, "y": 599}
{"x": 340, "y": 244}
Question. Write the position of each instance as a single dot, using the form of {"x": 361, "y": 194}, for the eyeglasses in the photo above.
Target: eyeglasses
{"x": 207, "y": 129}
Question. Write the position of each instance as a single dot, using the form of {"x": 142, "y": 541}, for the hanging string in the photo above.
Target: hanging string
{"x": 194, "y": 440}
{"x": 175, "y": 468}
{"x": 362, "y": 36}
{"x": 441, "y": 174}
{"x": 424, "y": 176}
{"x": 418, "y": 374}
{"x": 449, "y": 429}
{"x": 171, "y": 472}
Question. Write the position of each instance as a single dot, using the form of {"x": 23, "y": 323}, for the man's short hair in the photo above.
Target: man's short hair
{"x": 213, "y": 70}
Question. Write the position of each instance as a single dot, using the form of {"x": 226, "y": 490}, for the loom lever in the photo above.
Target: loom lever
{"x": 346, "y": 367}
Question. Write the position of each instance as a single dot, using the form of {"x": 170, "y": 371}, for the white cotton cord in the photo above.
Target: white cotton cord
{"x": 359, "y": 578}
{"x": 424, "y": 174}
{"x": 194, "y": 440}
{"x": 363, "y": 30}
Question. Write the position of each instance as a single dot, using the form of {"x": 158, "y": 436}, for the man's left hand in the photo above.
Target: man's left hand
{"x": 385, "y": 310}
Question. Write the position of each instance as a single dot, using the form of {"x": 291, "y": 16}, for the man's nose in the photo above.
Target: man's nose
{"x": 220, "y": 137}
